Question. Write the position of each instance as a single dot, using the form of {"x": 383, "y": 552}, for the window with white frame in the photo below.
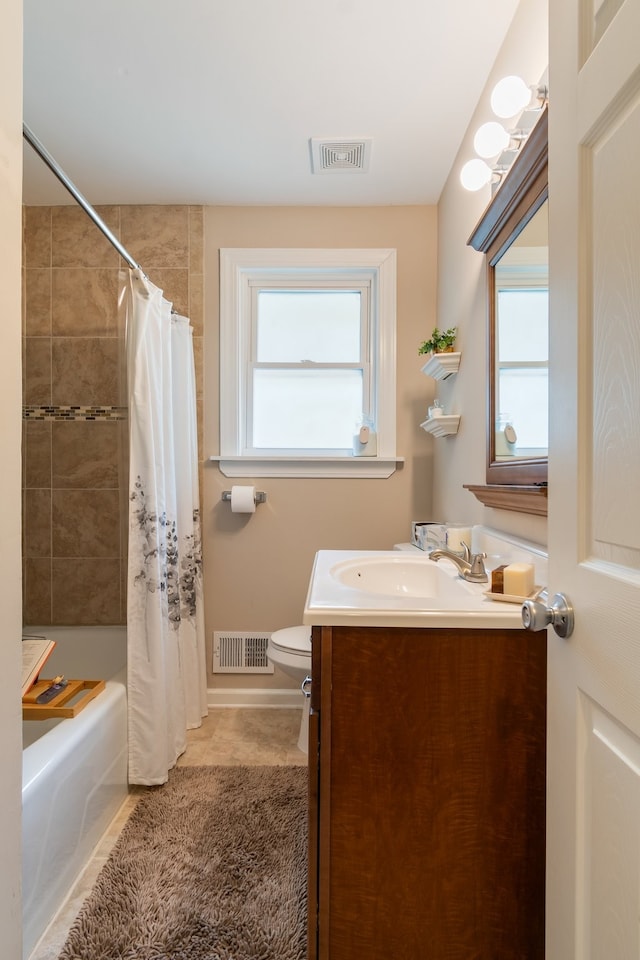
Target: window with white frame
{"x": 307, "y": 350}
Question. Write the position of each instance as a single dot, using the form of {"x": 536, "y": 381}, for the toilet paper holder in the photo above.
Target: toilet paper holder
{"x": 260, "y": 496}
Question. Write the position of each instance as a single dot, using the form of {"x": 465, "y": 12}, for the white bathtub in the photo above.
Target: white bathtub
{"x": 74, "y": 775}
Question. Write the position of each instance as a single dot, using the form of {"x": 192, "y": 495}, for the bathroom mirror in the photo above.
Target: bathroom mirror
{"x": 512, "y": 233}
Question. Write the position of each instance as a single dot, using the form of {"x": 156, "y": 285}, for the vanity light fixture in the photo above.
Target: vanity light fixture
{"x": 512, "y": 95}
{"x": 509, "y": 96}
{"x": 475, "y": 174}
{"x": 511, "y": 99}
{"x": 490, "y": 139}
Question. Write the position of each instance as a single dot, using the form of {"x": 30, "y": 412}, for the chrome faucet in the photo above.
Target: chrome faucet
{"x": 470, "y": 565}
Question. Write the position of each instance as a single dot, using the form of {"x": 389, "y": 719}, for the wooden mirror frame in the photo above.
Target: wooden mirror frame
{"x": 518, "y": 484}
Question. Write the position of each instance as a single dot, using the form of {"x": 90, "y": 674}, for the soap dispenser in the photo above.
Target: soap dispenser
{"x": 365, "y": 441}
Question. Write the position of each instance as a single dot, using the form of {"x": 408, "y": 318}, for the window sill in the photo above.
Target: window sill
{"x": 321, "y": 467}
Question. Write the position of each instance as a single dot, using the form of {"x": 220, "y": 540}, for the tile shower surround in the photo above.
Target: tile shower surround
{"x": 74, "y": 419}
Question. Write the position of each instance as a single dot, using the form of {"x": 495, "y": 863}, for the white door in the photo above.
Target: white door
{"x": 593, "y": 873}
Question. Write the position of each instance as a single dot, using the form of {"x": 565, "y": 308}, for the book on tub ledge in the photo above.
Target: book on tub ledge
{"x": 35, "y": 653}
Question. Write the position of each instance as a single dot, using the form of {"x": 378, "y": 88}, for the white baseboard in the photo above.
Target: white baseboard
{"x": 253, "y": 697}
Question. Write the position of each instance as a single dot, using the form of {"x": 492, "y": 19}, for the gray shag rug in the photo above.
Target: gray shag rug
{"x": 210, "y": 866}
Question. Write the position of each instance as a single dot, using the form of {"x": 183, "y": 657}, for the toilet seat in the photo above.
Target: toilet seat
{"x": 294, "y": 640}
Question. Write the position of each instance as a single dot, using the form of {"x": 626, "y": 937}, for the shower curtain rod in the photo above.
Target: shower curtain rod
{"x": 44, "y": 154}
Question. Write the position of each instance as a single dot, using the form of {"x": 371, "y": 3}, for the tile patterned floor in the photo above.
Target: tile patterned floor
{"x": 227, "y": 737}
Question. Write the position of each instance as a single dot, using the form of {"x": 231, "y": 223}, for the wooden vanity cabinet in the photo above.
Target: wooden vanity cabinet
{"x": 427, "y": 794}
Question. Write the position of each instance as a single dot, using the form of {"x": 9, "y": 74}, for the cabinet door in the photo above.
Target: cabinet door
{"x": 431, "y": 795}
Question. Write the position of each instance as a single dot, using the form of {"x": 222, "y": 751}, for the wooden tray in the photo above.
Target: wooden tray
{"x": 58, "y": 706}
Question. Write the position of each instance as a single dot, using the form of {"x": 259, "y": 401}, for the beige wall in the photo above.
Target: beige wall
{"x": 462, "y": 299}
{"x": 256, "y": 571}
{"x": 75, "y": 460}
{"x": 10, "y": 250}
{"x": 257, "y": 567}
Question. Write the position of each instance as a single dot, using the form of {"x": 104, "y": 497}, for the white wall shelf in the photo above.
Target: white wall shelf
{"x": 442, "y": 426}
{"x": 439, "y": 366}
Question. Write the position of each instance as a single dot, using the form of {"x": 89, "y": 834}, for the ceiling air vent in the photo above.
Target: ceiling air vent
{"x": 340, "y": 156}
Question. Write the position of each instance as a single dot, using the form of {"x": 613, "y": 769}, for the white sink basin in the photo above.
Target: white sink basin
{"x": 400, "y": 576}
{"x": 393, "y": 588}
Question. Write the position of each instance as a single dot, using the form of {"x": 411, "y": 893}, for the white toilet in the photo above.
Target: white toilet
{"x": 290, "y": 649}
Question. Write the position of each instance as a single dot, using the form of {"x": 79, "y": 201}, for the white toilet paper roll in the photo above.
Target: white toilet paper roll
{"x": 243, "y": 499}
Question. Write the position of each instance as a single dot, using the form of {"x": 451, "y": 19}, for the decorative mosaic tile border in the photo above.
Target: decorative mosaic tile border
{"x": 73, "y": 413}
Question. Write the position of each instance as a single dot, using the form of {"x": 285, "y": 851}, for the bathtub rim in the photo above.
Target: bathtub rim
{"x": 59, "y": 741}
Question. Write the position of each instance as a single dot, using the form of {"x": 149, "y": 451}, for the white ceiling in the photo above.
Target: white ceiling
{"x": 215, "y": 101}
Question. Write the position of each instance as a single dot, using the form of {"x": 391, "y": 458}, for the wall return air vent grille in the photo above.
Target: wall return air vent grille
{"x": 238, "y": 652}
{"x": 340, "y": 156}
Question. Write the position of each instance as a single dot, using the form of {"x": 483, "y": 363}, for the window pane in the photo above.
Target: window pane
{"x": 523, "y": 324}
{"x": 301, "y": 409}
{"x": 524, "y": 398}
{"x": 296, "y": 325}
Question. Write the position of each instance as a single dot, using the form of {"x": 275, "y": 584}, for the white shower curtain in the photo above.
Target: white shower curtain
{"x": 166, "y": 674}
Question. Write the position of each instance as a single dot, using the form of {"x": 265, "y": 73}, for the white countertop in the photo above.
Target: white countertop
{"x": 331, "y": 603}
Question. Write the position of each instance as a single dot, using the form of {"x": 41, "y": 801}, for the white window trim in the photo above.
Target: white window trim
{"x": 238, "y": 266}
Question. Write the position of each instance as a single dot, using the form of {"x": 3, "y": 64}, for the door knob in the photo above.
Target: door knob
{"x": 536, "y": 615}
{"x": 305, "y": 686}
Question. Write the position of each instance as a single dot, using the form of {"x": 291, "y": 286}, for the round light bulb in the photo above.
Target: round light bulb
{"x": 475, "y": 174}
{"x": 490, "y": 139}
{"x": 510, "y": 96}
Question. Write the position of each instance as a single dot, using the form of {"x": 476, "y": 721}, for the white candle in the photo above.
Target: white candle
{"x": 456, "y": 536}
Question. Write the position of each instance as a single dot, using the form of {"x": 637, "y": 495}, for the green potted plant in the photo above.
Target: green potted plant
{"x": 441, "y": 341}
